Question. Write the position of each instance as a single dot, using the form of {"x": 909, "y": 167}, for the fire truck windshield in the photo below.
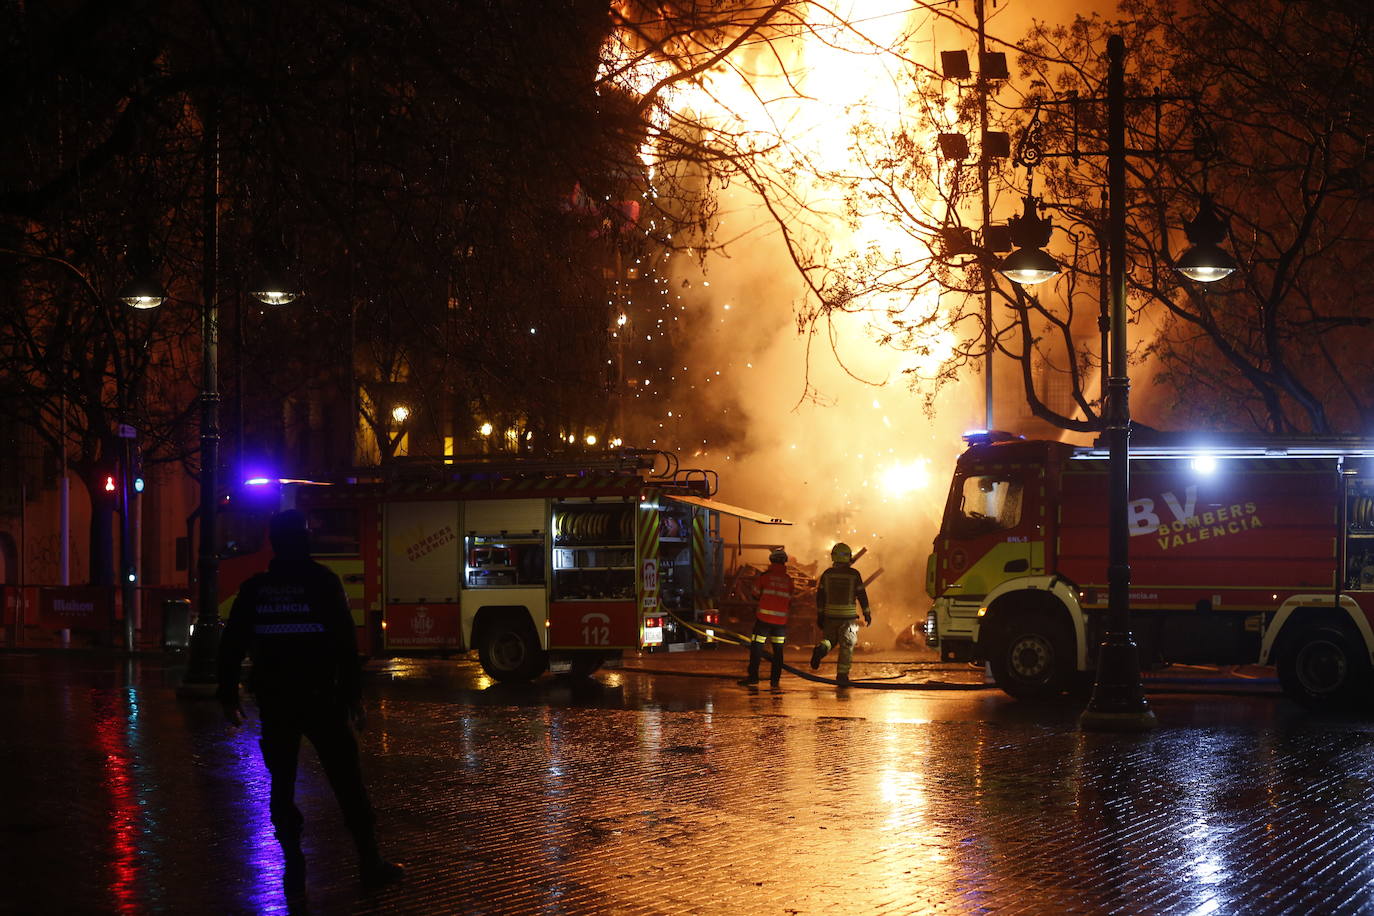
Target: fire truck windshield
{"x": 242, "y": 531}
{"x": 333, "y": 531}
{"x": 986, "y": 504}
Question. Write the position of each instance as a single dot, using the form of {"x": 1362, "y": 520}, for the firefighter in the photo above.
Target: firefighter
{"x": 770, "y": 617}
{"x": 294, "y": 622}
{"x": 840, "y": 595}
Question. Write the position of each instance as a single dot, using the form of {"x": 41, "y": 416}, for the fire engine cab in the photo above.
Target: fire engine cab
{"x": 534, "y": 564}
{"x": 1243, "y": 551}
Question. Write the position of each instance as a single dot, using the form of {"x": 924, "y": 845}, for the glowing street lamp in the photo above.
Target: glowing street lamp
{"x": 274, "y": 287}
{"x": 1029, "y": 264}
{"x": 143, "y": 293}
{"x": 1206, "y": 262}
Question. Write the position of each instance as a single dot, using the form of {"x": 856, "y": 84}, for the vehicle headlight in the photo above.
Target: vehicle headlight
{"x": 929, "y": 627}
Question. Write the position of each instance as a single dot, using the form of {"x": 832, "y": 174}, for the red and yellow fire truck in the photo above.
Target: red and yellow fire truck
{"x": 534, "y": 564}
{"x": 1242, "y": 552}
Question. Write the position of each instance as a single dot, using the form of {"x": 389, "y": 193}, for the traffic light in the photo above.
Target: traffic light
{"x": 136, "y": 480}
{"x": 108, "y": 483}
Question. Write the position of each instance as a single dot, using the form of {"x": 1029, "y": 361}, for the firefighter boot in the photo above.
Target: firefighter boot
{"x": 842, "y": 679}
{"x": 375, "y": 871}
{"x": 818, "y": 653}
{"x": 755, "y": 654}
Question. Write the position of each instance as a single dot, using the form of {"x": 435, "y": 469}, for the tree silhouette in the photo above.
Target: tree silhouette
{"x": 1255, "y": 104}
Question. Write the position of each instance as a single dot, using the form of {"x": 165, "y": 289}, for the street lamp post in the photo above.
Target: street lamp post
{"x": 201, "y": 675}
{"x": 1118, "y": 697}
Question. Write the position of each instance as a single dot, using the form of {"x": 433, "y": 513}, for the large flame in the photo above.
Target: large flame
{"x": 820, "y": 428}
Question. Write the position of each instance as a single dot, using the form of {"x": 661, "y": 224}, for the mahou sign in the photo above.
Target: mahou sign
{"x": 79, "y": 608}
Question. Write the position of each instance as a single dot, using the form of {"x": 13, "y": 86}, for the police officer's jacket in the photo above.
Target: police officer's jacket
{"x": 295, "y": 624}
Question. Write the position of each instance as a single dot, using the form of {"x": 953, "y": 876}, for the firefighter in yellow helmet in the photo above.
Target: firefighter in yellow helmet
{"x": 840, "y": 596}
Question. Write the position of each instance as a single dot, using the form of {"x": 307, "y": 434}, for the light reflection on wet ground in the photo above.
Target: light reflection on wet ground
{"x": 658, "y": 793}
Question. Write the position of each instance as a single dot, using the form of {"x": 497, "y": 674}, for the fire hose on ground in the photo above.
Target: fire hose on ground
{"x": 715, "y": 631}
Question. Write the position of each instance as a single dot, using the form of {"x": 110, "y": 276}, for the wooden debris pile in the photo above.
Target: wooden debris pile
{"x": 741, "y": 596}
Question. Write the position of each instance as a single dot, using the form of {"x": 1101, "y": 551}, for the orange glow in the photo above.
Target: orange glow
{"x": 903, "y": 479}
{"x": 804, "y": 441}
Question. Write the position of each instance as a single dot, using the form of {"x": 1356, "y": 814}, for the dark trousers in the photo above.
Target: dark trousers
{"x": 774, "y": 633}
{"x": 325, "y": 723}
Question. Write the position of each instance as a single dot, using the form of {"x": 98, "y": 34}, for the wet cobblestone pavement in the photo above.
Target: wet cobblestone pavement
{"x": 671, "y": 790}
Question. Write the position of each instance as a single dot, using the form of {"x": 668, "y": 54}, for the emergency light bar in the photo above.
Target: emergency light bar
{"x": 988, "y": 436}
{"x": 1214, "y": 450}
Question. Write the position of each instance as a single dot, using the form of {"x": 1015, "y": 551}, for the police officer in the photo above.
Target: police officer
{"x": 838, "y": 591}
{"x": 770, "y": 617}
{"x": 295, "y": 624}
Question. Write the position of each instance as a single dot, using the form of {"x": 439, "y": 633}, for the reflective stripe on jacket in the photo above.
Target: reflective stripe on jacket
{"x": 775, "y": 594}
{"x": 840, "y": 592}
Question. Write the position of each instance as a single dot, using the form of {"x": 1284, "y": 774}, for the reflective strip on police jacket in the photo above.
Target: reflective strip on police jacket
{"x": 274, "y": 628}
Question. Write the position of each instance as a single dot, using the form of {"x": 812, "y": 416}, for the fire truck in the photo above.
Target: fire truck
{"x": 535, "y": 564}
{"x": 1243, "y": 551}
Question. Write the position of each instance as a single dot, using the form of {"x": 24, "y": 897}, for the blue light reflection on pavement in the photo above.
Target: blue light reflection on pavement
{"x": 134, "y": 786}
{"x": 262, "y": 862}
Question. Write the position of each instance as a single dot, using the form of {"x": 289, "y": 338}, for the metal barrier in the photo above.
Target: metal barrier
{"x": 77, "y": 616}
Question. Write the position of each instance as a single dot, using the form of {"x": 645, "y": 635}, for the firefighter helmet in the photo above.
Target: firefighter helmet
{"x": 777, "y": 556}
{"x": 841, "y": 553}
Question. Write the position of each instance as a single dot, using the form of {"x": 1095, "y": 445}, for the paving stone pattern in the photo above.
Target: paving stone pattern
{"x": 666, "y": 813}
{"x": 124, "y": 799}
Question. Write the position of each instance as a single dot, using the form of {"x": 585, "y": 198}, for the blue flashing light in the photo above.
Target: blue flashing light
{"x": 258, "y": 481}
{"x": 138, "y": 484}
{"x": 988, "y": 436}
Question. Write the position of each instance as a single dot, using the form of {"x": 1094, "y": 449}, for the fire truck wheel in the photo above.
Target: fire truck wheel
{"x": 1324, "y": 666}
{"x": 510, "y": 651}
{"x": 1033, "y": 659}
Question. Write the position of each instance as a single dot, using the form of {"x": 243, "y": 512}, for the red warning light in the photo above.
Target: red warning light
{"x": 109, "y": 483}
